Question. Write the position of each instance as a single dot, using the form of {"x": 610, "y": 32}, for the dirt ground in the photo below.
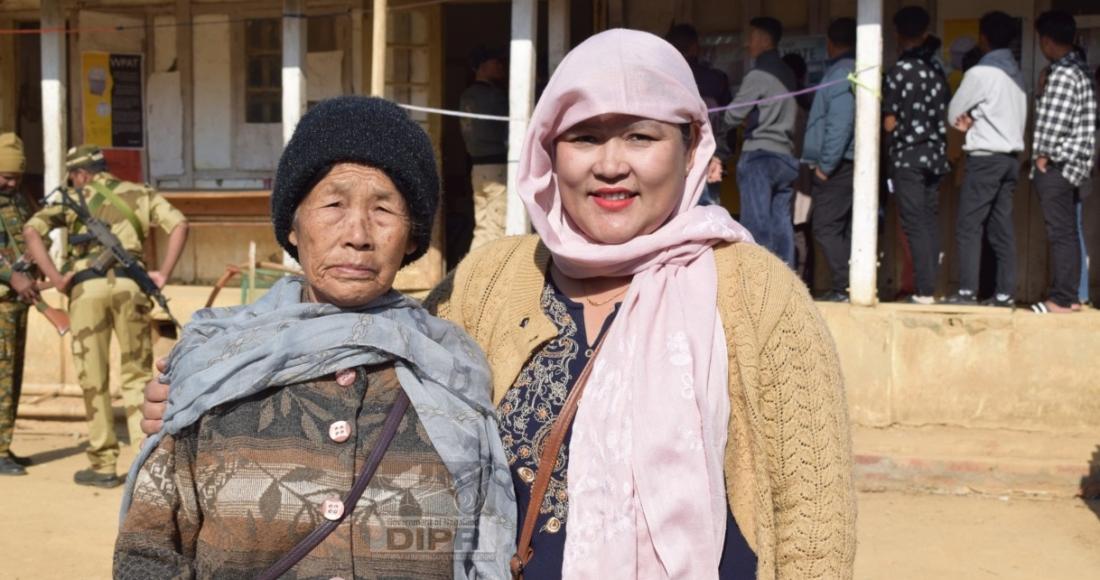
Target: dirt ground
{"x": 51, "y": 528}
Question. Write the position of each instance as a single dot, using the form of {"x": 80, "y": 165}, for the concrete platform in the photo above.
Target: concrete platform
{"x": 974, "y": 399}
{"x": 971, "y": 367}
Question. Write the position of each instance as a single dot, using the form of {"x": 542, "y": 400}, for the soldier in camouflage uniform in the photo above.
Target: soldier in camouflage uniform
{"x": 102, "y": 303}
{"x": 16, "y": 289}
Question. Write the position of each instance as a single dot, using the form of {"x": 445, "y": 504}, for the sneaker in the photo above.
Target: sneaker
{"x": 1000, "y": 301}
{"x": 961, "y": 299}
{"x": 96, "y": 479}
{"x": 10, "y": 467}
{"x": 921, "y": 300}
{"x": 834, "y": 296}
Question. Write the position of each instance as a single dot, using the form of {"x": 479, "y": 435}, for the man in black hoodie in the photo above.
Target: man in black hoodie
{"x": 915, "y": 98}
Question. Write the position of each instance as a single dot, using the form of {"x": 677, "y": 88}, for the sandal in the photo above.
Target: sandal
{"x": 1048, "y": 307}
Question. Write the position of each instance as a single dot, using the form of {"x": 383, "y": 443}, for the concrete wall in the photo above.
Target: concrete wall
{"x": 210, "y": 248}
{"x": 213, "y": 120}
{"x": 903, "y": 365}
{"x": 49, "y": 362}
{"x": 973, "y": 367}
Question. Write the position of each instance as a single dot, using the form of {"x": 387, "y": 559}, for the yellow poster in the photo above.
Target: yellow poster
{"x": 96, "y": 84}
{"x": 960, "y": 43}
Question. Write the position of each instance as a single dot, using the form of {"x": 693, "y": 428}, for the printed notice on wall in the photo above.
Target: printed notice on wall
{"x": 111, "y": 87}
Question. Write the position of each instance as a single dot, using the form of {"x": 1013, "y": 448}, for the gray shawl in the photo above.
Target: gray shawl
{"x": 226, "y": 354}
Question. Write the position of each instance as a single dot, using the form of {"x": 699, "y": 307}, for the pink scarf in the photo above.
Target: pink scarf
{"x": 646, "y": 488}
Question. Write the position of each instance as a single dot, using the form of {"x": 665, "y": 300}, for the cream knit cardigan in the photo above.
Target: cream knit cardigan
{"x": 788, "y": 460}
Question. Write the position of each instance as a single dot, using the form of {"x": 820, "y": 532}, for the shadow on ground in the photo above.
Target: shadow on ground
{"x": 58, "y": 454}
{"x": 1090, "y": 484}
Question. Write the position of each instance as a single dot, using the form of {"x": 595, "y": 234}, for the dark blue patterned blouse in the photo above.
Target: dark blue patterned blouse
{"x": 527, "y": 415}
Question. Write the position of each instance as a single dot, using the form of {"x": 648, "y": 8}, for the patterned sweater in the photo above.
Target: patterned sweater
{"x": 788, "y": 461}
{"x": 238, "y": 489}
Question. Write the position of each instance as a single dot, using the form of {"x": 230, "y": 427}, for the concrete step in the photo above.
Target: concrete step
{"x": 958, "y": 460}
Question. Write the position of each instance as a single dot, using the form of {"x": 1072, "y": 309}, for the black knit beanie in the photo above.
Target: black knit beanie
{"x": 366, "y": 130}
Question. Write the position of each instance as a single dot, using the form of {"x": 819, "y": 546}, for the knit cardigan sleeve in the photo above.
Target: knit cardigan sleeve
{"x": 798, "y": 416}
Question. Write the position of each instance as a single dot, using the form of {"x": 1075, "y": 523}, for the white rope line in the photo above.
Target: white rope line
{"x": 463, "y": 114}
{"x": 852, "y": 78}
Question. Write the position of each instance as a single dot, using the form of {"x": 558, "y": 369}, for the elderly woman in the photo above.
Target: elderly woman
{"x": 711, "y": 437}
{"x": 333, "y": 404}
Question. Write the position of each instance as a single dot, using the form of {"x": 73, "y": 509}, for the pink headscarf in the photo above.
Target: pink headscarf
{"x": 645, "y": 483}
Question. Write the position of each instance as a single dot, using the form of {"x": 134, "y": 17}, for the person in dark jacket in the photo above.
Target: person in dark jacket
{"x": 487, "y": 144}
{"x": 714, "y": 87}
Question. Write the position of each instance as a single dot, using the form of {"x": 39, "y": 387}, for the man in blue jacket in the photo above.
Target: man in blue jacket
{"x": 828, "y": 150}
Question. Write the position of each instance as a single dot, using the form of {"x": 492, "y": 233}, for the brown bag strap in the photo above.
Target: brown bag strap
{"x": 318, "y": 535}
{"x": 547, "y": 459}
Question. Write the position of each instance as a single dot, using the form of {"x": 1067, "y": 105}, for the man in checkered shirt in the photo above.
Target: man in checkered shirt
{"x": 1062, "y": 153}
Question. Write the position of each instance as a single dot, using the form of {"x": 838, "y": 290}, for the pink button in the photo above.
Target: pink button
{"x": 346, "y": 377}
{"x": 339, "y": 431}
{"x": 333, "y": 509}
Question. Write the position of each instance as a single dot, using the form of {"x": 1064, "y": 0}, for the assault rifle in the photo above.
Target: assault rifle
{"x": 57, "y": 317}
{"x": 113, "y": 252}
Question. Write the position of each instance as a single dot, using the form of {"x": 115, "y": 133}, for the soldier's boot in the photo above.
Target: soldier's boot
{"x": 10, "y": 467}
{"x": 96, "y": 479}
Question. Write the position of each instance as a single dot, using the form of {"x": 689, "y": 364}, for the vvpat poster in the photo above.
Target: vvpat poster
{"x": 111, "y": 86}
{"x": 95, "y": 82}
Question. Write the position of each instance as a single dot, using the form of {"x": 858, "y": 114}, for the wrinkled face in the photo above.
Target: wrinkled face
{"x": 758, "y": 42}
{"x": 352, "y": 231}
{"x": 9, "y": 182}
{"x": 621, "y": 176}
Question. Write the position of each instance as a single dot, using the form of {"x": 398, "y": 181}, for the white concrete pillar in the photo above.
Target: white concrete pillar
{"x": 521, "y": 99}
{"x": 378, "y": 49}
{"x": 864, "y": 264}
{"x": 357, "y": 86}
{"x": 294, "y": 65}
{"x": 557, "y": 31}
{"x": 54, "y": 125}
{"x": 185, "y": 58}
{"x": 294, "y": 77}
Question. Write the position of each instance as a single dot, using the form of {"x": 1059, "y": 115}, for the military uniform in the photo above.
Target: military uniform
{"x": 14, "y": 211}
{"x": 102, "y": 304}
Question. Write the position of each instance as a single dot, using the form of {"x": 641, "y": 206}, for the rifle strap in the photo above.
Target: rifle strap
{"x": 121, "y": 206}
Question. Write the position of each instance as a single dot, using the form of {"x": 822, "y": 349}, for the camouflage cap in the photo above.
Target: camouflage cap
{"x": 12, "y": 159}
{"x": 83, "y": 156}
